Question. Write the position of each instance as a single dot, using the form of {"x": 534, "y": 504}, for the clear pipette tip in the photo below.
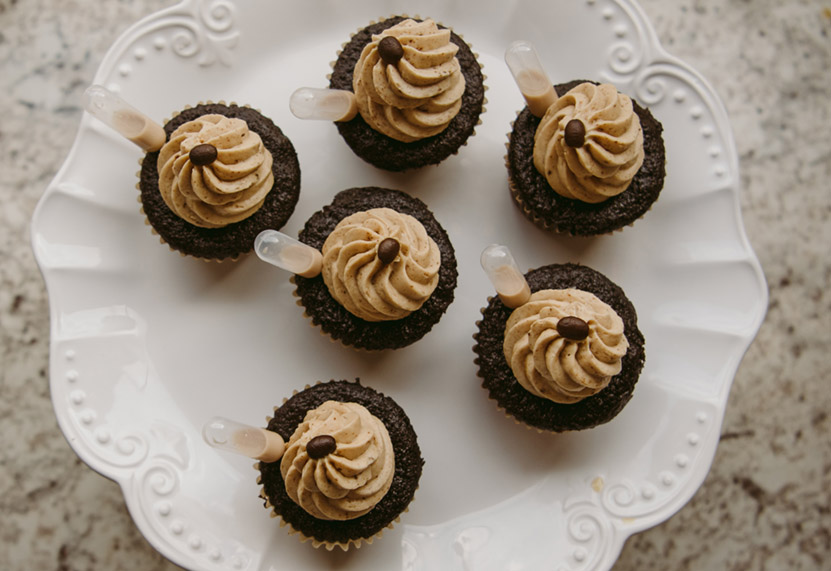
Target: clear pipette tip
{"x": 323, "y": 104}
{"x": 128, "y": 121}
{"x": 502, "y": 271}
{"x": 530, "y": 77}
{"x": 251, "y": 441}
{"x": 288, "y": 253}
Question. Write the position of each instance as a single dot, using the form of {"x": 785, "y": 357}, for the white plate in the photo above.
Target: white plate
{"x": 147, "y": 345}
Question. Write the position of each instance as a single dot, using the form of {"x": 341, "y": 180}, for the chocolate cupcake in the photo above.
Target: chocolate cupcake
{"x": 389, "y": 269}
{"x": 419, "y": 91}
{"x": 333, "y": 424}
{"x": 225, "y": 174}
{"x": 569, "y": 357}
{"x": 582, "y": 173}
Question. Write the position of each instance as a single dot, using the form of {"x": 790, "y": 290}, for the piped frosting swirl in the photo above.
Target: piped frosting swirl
{"x": 369, "y": 287}
{"x": 552, "y": 366}
{"x": 417, "y": 96}
{"x": 229, "y": 189}
{"x": 611, "y": 152}
{"x": 352, "y": 479}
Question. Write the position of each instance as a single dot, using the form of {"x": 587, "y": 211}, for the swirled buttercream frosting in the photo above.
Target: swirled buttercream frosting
{"x": 349, "y": 481}
{"x": 227, "y": 190}
{"x": 416, "y": 96}
{"x": 610, "y": 149}
{"x": 367, "y": 286}
{"x": 555, "y": 367}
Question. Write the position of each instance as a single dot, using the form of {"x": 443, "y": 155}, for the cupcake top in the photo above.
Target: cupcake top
{"x": 214, "y": 171}
{"x": 339, "y": 462}
{"x": 564, "y": 345}
{"x": 589, "y": 144}
{"x": 348, "y": 446}
{"x": 408, "y": 81}
{"x": 331, "y": 315}
{"x": 501, "y": 382}
{"x": 233, "y": 239}
{"x": 380, "y": 264}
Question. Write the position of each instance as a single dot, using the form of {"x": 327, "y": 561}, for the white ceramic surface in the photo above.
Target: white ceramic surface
{"x": 146, "y": 345}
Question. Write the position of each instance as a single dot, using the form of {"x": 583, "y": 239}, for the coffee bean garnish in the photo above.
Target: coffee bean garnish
{"x": 575, "y": 133}
{"x": 320, "y": 446}
{"x": 573, "y": 328}
{"x": 388, "y": 250}
{"x": 202, "y": 155}
{"x": 390, "y": 50}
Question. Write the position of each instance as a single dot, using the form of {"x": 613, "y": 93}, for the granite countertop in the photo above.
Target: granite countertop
{"x": 765, "y": 503}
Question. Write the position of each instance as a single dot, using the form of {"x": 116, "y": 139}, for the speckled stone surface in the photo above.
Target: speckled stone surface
{"x": 765, "y": 503}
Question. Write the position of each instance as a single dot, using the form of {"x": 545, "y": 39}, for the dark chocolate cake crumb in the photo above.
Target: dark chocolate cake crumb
{"x": 540, "y": 412}
{"x": 540, "y": 203}
{"x": 235, "y": 239}
{"x": 408, "y": 463}
{"x": 336, "y": 320}
{"x": 385, "y": 152}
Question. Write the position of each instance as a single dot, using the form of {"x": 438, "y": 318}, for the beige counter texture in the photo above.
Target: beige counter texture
{"x": 764, "y": 505}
